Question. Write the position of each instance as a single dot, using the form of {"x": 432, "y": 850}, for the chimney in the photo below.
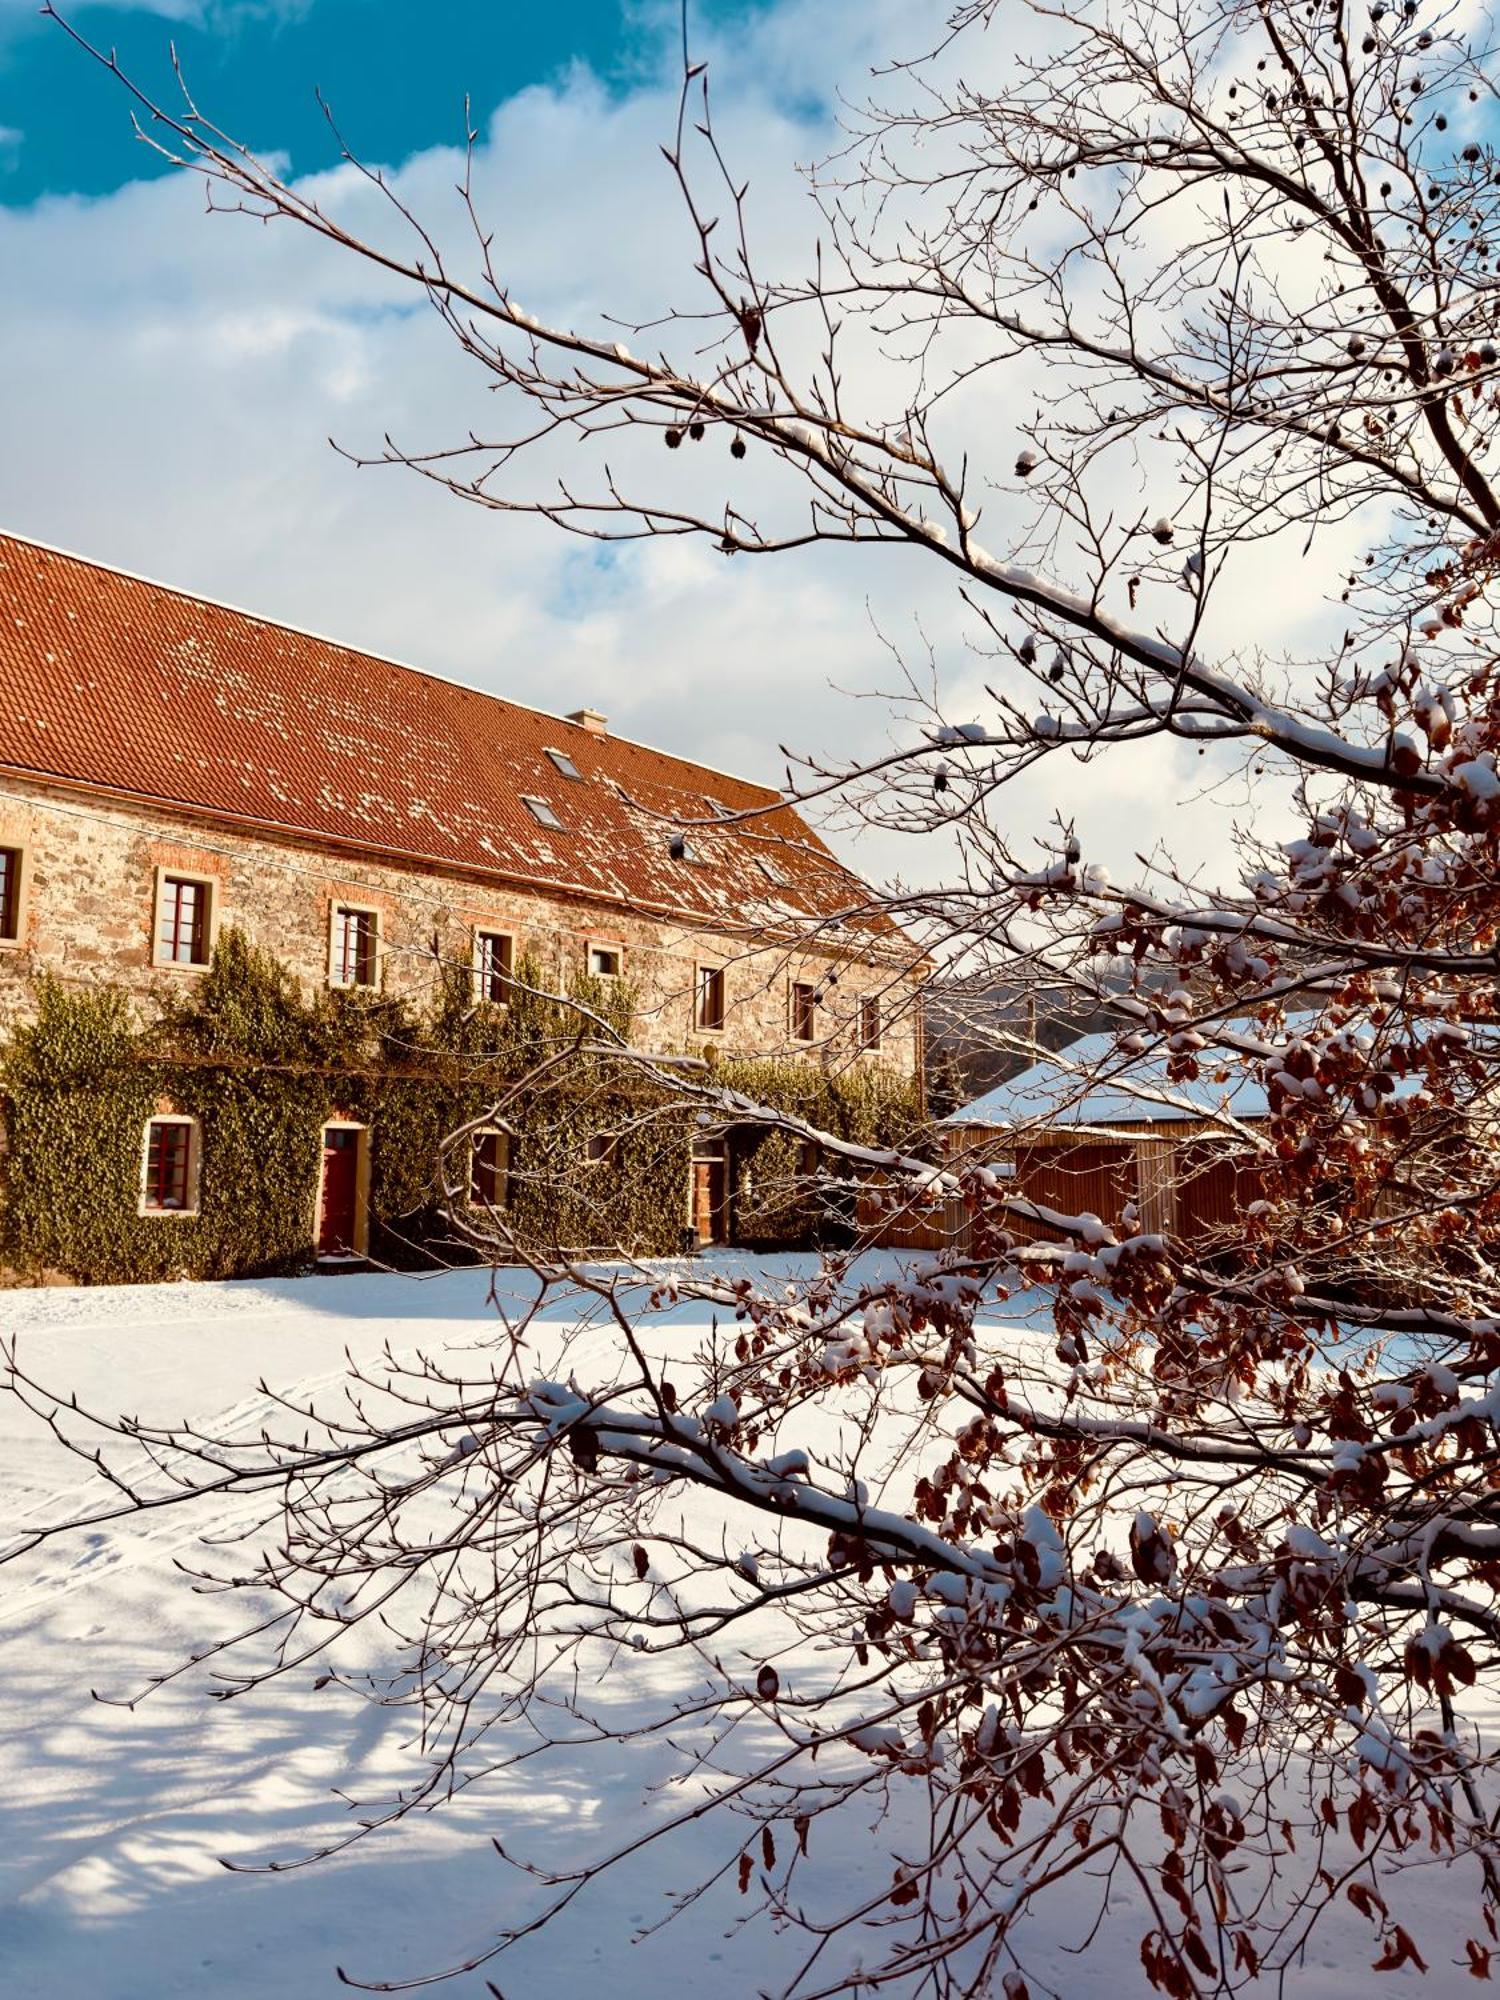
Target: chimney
{"x": 591, "y": 720}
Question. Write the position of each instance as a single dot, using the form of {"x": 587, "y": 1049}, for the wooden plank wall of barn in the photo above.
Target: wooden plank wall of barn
{"x": 1183, "y": 1185}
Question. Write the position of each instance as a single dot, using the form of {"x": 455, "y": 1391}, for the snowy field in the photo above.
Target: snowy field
{"x": 117, "y": 1819}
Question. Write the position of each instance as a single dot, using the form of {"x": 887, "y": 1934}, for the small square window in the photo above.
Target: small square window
{"x": 167, "y": 1184}
{"x": 489, "y": 1170}
{"x": 603, "y": 1150}
{"x": 869, "y": 1021}
{"x": 182, "y": 934}
{"x": 710, "y": 1008}
{"x": 563, "y": 764}
{"x": 604, "y": 961}
{"x": 493, "y": 958}
{"x": 541, "y": 812}
{"x": 10, "y": 894}
{"x": 356, "y": 947}
{"x": 804, "y": 1011}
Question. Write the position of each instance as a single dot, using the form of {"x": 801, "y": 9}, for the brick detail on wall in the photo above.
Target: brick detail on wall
{"x": 92, "y": 867}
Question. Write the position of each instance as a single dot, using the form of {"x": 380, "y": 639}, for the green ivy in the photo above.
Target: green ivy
{"x": 263, "y": 1068}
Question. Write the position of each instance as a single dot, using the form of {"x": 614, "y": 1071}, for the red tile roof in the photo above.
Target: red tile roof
{"x": 128, "y": 687}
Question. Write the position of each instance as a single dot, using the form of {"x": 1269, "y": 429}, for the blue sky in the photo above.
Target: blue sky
{"x": 395, "y": 70}
{"x": 173, "y": 378}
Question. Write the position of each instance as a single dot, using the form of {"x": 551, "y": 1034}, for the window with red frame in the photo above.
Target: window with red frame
{"x": 710, "y": 996}
{"x": 10, "y": 893}
{"x": 183, "y": 936}
{"x": 356, "y": 937}
{"x": 493, "y": 956}
{"x": 169, "y": 1159}
{"x": 804, "y": 1011}
{"x": 489, "y": 1172}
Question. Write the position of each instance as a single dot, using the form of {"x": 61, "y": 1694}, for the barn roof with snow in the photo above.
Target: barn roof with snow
{"x": 1092, "y": 1083}
{"x": 130, "y": 688}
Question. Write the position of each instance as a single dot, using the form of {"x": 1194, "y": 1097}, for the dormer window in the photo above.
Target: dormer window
{"x": 563, "y": 764}
{"x": 541, "y": 812}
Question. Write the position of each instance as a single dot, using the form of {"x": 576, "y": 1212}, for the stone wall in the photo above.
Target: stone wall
{"x": 89, "y": 909}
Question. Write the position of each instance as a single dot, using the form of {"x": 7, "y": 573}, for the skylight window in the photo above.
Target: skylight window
{"x": 682, "y": 849}
{"x": 540, "y": 810}
{"x": 563, "y": 764}
{"x": 771, "y": 872}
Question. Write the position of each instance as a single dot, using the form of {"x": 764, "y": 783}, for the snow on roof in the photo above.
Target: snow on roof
{"x": 1092, "y": 1083}
{"x": 110, "y": 681}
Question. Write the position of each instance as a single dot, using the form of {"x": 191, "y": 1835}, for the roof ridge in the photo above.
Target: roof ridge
{"x": 385, "y": 659}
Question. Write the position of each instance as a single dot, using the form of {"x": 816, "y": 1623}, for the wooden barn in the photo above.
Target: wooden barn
{"x": 1091, "y": 1129}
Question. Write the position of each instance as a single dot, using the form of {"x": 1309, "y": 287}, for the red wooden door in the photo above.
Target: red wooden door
{"x": 337, "y": 1213}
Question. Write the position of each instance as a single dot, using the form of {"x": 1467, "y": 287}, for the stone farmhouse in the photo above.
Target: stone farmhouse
{"x": 172, "y": 770}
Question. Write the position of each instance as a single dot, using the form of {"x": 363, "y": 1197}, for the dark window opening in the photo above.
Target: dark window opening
{"x": 869, "y": 1022}
{"x": 493, "y": 962}
{"x": 603, "y": 1150}
{"x": 604, "y": 961}
{"x": 169, "y": 1145}
{"x": 710, "y": 996}
{"x": 804, "y": 1011}
{"x": 184, "y": 921}
{"x": 10, "y": 893}
{"x": 489, "y": 1170}
{"x": 355, "y": 941}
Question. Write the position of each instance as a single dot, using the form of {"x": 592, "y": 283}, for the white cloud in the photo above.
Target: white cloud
{"x": 183, "y": 374}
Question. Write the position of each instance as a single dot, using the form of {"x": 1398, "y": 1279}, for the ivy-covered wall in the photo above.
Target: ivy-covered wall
{"x": 263, "y": 1069}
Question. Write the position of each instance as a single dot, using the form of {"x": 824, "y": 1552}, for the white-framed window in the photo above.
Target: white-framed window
{"x": 183, "y": 934}
{"x": 708, "y": 1009}
{"x": 541, "y": 812}
{"x": 13, "y": 871}
{"x": 354, "y": 946}
{"x": 563, "y": 764}
{"x": 605, "y": 961}
{"x": 494, "y": 961}
{"x": 171, "y": 1153}
{"x": 489, "y": 1170}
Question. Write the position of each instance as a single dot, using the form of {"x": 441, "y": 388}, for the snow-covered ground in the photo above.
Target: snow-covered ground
{"x": 116, "y": 1819}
